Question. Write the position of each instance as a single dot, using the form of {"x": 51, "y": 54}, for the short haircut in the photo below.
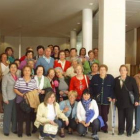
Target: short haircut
{"x": 58, "y": 68}
{"x": 72, "y": 92}
{"x": 124, "y": 67}
{"x": 24, "y": 69}
{"x": 50, "y": 70}
{"x": 13, "y": 64}
{"x": 67, "y": 50}
{"x": 2, "y": 55}
{"x": 50, "y": 45}
{"x": 40, "y": 66}
{"x": 62, "y": 51}
{"x": 103, "y": 66}
{"x": 91, "y": 51}
{"x": 80, "y": 65}
{"x": 95, "y": 64}
{"x": 9, "y": 48}
{"x": 73, "y": 49}
{"x": 17, "y": 60}
{"x": 95, "y": 49}
{"x": 40, "y": 47}
{"x": 29, "y": 52}
{"x": 28, "y": 48}
{"x": 56, "y": 46}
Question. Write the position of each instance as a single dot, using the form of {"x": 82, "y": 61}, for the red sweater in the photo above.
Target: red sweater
{"x": 67, "y": 65}
{"x": 78, "y": 85}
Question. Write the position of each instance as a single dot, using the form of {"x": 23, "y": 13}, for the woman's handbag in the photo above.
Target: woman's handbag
{"x": 25, "y": 106}
{"x": 131, "y": 94}
{"x": 50, "y": 129}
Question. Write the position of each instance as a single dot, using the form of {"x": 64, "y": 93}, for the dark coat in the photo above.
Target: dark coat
{"x": 101, "y": 87}
{"x": 122, "y": 95}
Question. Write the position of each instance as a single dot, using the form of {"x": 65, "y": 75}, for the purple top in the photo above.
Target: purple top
{"x": 22, "y": 64}
{"x": 24, "y": 87}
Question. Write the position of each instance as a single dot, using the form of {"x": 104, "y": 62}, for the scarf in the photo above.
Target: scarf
{"x": 86, "y": 104}
{"x": 40, "y": 84}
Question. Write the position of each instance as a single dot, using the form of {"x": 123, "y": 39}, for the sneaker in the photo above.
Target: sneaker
{"x": 41, "y": 138}
{"x": 95, "y": 137}
{"x": 52, "y": 138}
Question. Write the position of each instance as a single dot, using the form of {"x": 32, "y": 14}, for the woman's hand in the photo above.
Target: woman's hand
{"x": 42, "y": 92}
{"x": 7, "y": 102}
{"x": 83, "y": 122}
{"x": 109, "y": 99}
{"x": 66, "y": 109}
{"x": 61, "y": 93}
{"x": 77, "y": 121}
{"x": 67, "y": 123}
{"x": 52, "y": 122}
{"x": 136, "y": 103}
{"x": 87, "y": 124}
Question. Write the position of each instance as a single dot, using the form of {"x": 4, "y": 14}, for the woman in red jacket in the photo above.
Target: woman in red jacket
{"x": 79, "y": 82}
{"x": 62, "y": 62}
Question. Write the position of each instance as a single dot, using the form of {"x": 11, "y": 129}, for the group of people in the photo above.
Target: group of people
{"x": 60, "y": 88}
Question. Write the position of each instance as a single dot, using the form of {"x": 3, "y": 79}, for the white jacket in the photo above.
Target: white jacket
{"x": 81, "y": 113}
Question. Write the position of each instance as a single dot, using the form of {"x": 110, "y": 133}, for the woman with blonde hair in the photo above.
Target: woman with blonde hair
{"x": 79, "y": 82}
{"x": 69, "y": 108}
{"x": 47, "y": 113}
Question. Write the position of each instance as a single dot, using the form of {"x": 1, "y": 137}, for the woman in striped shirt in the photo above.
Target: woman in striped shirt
{"x": 22, "y": 86}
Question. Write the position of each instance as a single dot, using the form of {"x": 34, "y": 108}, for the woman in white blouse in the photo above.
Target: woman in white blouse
{"x": 47, "y": 113}
{"x": 88, "y": 115}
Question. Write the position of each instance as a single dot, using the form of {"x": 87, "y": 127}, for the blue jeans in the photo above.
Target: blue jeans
{"x": 41, "y": 127}
{"x": 137, "y": 118}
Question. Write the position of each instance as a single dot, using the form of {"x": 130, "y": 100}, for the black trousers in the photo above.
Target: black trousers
{"x": 21, "y": 117}
{"x": 125, "y": 114}
{"x": 103, "y": 111}
{"x": 72, "y": 124}
{"x": 81, "y": 129}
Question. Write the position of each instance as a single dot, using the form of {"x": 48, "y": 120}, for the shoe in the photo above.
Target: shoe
{"x": 83, "y": 135}
{"x": 6, "y": 134}
{"x": 120, "y": 133}
{"x": 95, "y": 137}
{"x": 52, "y": 138}
{"x": 62, "y": 135}
{"x": 15, "y": 132}
{"x": 105, "y": 131}
{"x": 135, "y": 131}
{"x": 70, "y": 131}
{"x": 41, "y": 138}
{"x": 19, "y": 135}
{"x": 34, "y": 130}
{"x": 128, "y": 135}
{"x": 29, "y": 134}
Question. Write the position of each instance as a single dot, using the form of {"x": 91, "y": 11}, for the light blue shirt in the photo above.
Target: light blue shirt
{"x": 47, "y": 59}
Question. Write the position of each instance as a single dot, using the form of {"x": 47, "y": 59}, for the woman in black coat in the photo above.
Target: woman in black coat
{"x": 123, "y": 84}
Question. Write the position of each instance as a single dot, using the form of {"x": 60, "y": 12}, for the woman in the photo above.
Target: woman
{"x": 137, "y": 108}
{"x": 17, "y": 61}
{"x": 55, "y": 52}
{"x": 88, "y": 115}
{"x": 63, "y": 84}
{"x": 42, "y": 81}
{"x": 10, "y": 53}
{"x": 87, "y": 64}
{"x": 69, "y": 108}
{"x": 4, "y": 69}
{"x": 71, "y": 70}
{"x": 24, "y": 85}
{"x": 82, "y": 54}
{"x": 53, "y": 81}
{"x": 46, "y": 114}
{"x": 9, "y": 97}
{"x": 123, "y": 83}
{"x": 94, "y": 70}
{"x": 62, "y": 62}
{"x": 79, "y": 82}
{"x": 101, "y": 86}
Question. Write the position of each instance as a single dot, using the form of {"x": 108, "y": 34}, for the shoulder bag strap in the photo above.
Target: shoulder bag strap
{"x": 86, "y": 80}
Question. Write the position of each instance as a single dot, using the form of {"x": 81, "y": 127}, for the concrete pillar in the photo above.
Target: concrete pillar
{"x": 87, "y": 29}
{"x": 112, "y": 34}
{"x": 73, "y": 39}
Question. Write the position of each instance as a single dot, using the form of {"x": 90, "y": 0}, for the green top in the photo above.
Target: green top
{"x": 46, "y": 82}
{"x": 87, "y": 65}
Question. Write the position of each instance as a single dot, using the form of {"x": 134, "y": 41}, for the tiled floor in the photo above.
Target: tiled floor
{"x": 75, "y": 136}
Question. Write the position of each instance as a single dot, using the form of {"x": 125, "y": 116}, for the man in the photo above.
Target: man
{"x": 40, "y": 52}
{"x": 73, "y": 54}
{"x": 46, "y": 61}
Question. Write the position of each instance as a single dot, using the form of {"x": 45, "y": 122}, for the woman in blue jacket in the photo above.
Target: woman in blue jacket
{"x": 69, "y": 108}
{"x": 101, "y": 87}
